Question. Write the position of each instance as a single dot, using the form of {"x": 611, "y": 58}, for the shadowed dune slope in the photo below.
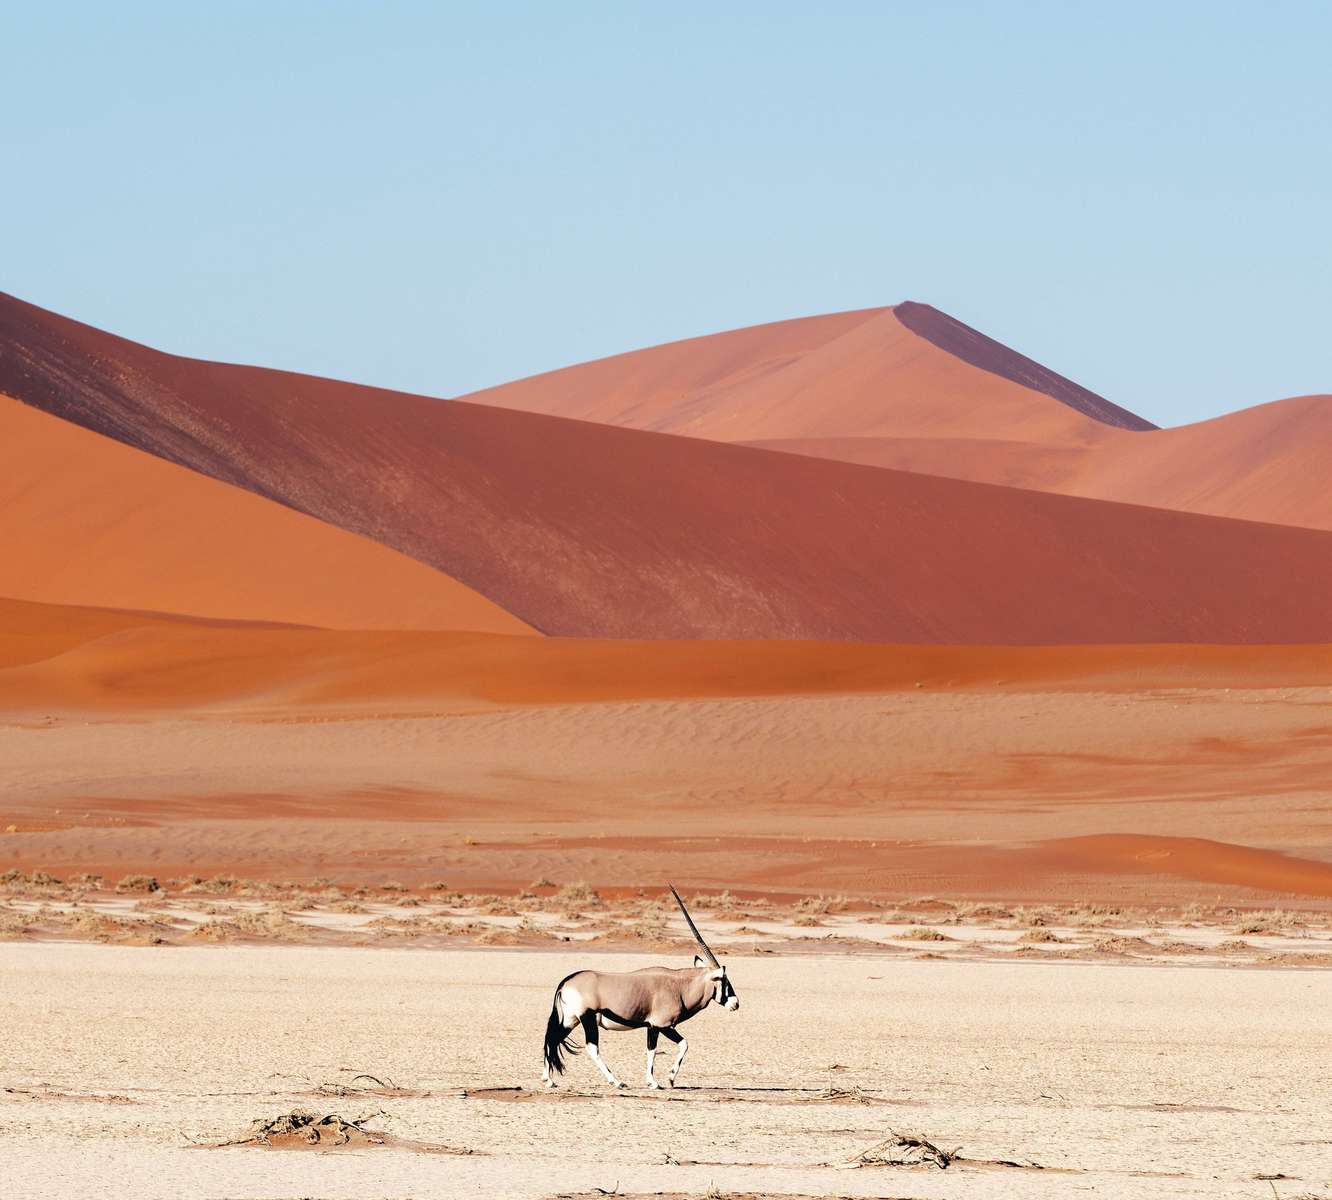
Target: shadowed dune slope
{"x": 92, "y": 522}
{"x": 55, "y": 656}
{"x": 586, "y": 529}
{"x": 909, "y": 371}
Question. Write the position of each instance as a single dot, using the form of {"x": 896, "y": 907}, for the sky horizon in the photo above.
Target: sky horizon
{"x": 442, "y": 199}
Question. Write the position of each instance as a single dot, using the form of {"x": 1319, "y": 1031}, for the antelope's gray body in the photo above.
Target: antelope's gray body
{"x": 656, "y": 999}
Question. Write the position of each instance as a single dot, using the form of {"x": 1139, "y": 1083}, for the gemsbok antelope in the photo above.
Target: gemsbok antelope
{"x": 656, "y": 999}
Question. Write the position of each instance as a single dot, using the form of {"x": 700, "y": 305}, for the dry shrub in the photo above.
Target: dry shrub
{"x": 1043, "y": 936}
{"x": 138, "y": 883}
{"x": 271, "y": 924}
{"x": 1174, "y": 947}
{"x": 720, "y": 900}
{"x": 805, "y": 921}
{"x": 1123, "y": 945}
{"x": 1035, "y": 917}
{"x": 928, "y": 904}
{"x": 223, "y": 885}
{"x": 922, "y": 934}
{"x": 577, "y": 893}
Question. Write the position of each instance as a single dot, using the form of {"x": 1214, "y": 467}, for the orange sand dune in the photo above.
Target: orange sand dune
{"x": 908, "y": 371}
{"x": 1198, "y": 859}
{"x": 90, "y": 521}
{"x": 54, "y": 656}
{"x": 586, "y": 529}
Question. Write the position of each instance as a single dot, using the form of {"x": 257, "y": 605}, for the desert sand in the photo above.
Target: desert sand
{"x": 1122, "y": 1081}
{"x": 1008, "y": 809}
{"x": 172, "y": 747}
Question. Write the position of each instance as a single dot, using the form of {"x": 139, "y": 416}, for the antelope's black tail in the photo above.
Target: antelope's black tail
{"x": 557, "y": 1036}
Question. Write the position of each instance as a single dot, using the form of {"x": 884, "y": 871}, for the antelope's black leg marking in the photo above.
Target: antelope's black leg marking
{"x": 591, "y": 1034}
{"x": 672, "y": 1035}
{"x": 652, "y": 1035}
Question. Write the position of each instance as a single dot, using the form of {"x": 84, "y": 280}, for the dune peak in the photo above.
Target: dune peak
{"x": 973, "y": 347}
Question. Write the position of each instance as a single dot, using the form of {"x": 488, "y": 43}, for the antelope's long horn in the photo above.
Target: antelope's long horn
{"x": 698, "y": 937}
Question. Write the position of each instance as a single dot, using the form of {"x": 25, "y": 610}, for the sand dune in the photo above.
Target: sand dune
{"x": 591, "y": 530}
{"x": 908, "y": 371}
{"x": 911, "y": 388}
{"x": 1193, "y": 858}
{"x": 1267, "y": 463}
{"x": 60, "y": 657}
{"x": 89, "y": 521}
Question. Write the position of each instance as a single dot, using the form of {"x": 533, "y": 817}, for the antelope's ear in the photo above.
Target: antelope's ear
{"x": 698, "y": 960}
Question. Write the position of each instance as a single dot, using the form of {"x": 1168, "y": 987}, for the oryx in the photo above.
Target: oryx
{"x": 656, "y": 999}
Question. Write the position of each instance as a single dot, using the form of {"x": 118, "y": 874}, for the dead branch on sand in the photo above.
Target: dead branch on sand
{"x": 905, "y": 1150}
{"x": 303, "y": 1130}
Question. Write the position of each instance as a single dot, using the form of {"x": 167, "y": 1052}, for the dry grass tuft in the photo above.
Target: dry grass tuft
{"x": 138, "y": 883}
{"x": 1042, "y": 936}
{"x": 921, "y": 933}
{"x": 271, "y": 924}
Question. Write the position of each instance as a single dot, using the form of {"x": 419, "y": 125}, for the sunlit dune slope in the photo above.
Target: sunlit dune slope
{"x": 90, "y": 521}
{"x": 908, "y": 371}
{"x": 1266, "y": 463}
{"x": 587, "y": 529}
{"x": 54, "y": 656}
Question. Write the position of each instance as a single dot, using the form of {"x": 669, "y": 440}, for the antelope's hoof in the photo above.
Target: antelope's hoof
{"x": 550, "y": 1084}
{"x": 620, "y": 1084}
{"x": 653, "y": 1084}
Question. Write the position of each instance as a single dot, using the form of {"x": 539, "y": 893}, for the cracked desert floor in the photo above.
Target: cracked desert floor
{"x": 119, "y": 1064}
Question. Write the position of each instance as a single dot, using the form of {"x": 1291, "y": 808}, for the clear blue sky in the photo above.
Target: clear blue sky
{"x": 438, "y": 197}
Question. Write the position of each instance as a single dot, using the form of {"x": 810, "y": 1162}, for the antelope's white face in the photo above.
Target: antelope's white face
{"x": 723, "y": 993}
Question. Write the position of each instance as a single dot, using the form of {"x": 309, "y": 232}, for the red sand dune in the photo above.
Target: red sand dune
{"x": 1266, "y": 463}
{"x": 56, "y": 656}
{"x": 908, "y": 371}
{"x": 912, "y": 389}
{"x": 585, "y": 529}
{"x": 90, "y": 521}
